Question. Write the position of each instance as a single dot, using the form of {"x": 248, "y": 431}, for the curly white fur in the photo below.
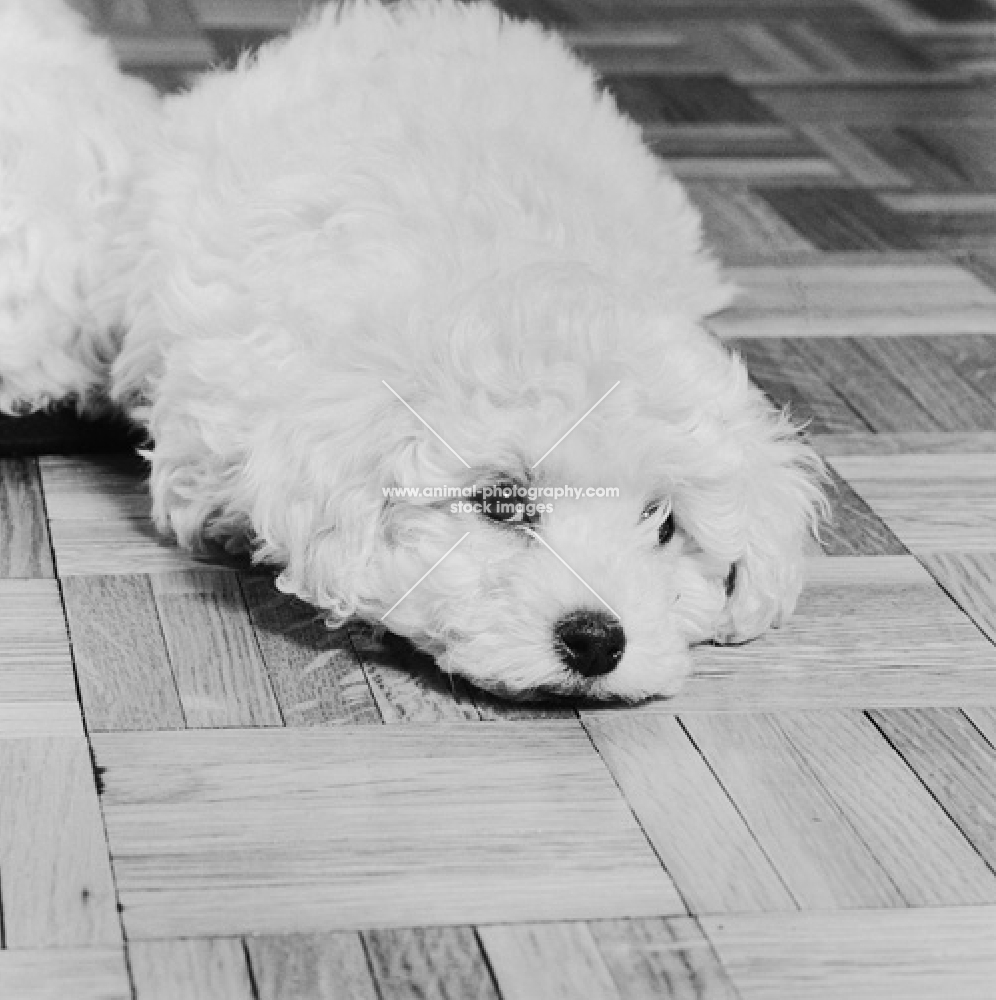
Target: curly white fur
{"x": 70, "y": 128}
{"x": 432, "y": 196}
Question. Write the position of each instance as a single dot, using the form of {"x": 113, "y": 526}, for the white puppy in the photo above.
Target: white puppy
{"x": 411, "y": 247}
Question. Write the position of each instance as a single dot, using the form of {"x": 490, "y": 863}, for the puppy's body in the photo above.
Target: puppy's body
{"x": 71, "y": 129}
{"x": 432, "y": 203}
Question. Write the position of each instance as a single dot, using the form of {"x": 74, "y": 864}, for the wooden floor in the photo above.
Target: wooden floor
{"x": 204, "y": 795}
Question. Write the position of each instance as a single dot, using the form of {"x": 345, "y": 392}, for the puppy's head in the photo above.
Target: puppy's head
{"x": 544, "y": 521}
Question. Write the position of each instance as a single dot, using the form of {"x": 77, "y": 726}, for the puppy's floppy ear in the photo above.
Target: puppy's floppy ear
{"x": 746, "y": 486}
{"x": 779, "y": 512}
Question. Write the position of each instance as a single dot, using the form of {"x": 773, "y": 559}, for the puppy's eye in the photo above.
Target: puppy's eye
{"x": 508, "y": 503}
{"x": 666, "y": 531}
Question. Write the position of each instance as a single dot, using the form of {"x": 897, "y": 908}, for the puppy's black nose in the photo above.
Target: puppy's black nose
{"x": 590, "y": 641}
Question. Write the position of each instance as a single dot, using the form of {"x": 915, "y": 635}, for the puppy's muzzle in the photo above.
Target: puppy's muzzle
{"x": 590, "y": 642}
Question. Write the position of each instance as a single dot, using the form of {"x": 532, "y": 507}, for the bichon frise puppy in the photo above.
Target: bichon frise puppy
{"x": 409, "y": 310}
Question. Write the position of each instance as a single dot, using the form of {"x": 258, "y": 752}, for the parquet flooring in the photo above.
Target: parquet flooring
{"x": 207, "y": 795}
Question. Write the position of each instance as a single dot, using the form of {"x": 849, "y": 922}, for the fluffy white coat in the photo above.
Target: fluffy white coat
{"x": 427, "y": 201}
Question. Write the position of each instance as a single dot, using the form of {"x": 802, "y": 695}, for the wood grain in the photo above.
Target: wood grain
{"x": 970, "y": 579}
{"x": 709, "y": 99}
{"x": 553, "y": 961}
{"x": 57, "y": 890}
{"x": 854, "y": 157}
{"x": 100, "y": 520}
{"x": 955, "y": 404}
{"x": 796, "y": 821}
{"x": 882, "y": 399}
{"x": 696, "y": 830}
{"x": 35, "y": 661}
{"x": 955, "y": 762}
{"x": 407, "y": 686}
{"x": 317, "y": 677}
{"x": 24, "y": 546}
{"x": 123, "y": 669}
{"x": 285, "y": 830}
{"x": 931, "y": 502}
{"x": 984, "y": 719}
{"x": 973, "y": 357}
{"x": 735, "y": 218}
{"x": 912, "y": 838}
{"x": 939, "y": 157}
{"x": 310, "y": 967}
{"x": 841, "y": 219}
{"x": 219, "y": 671}
{"x": 882, "y": 103}
{"x": 866, "y": 298}
{"x": 917, "y": 954}
{"x": 125, "y": 545}
{"x": 867, "y": 632}
{"x": 432, "y": 963}
{"x": 665, "y": 957}
{"x": 194, "y": 970}
{"x": 854, "y": 529}
{"x": 793, "y": 379}
{"x": 56, "y": 974}
{"x": 929, "y": 443}
{"x": 37, "y": 689}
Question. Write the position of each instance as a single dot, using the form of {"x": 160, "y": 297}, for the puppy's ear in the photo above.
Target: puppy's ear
{"x": 747, "y": 488}
{"x": 778, "y": 515}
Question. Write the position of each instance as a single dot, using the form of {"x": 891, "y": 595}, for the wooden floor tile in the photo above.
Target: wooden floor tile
{"x": 276, "y": 15}
{"x": 554, "y": 961}
{"x": 955, "y": 762}
{"x": 311, "y": 967}
{"x": 99, "y": 518}
{"x": 37, "y": 689}
{"x": 740, "y": 222}
{"x": 709, "y": 100}
{"x": 56, "y": 890}
{"x": 974, "y": 359}
{"x": 230, "y": 832}
{"x": 697, "y": 831}
{"x": 862, "y": 955}
{"x": 854, "y": 529}
{"x": 123, "y": 668}
{"x": 841, "y": 219}
{"x": 903, "y": 443}
{"x": 194, "y": 970}
{"x": 25, "y": 551}
{"x": 432, "y": 963}
{"x": 668, "y": 957}
{"x": 970, "y": 579}
{"x": 868, "y": 631}
{"x": 882, "y": 104}
{"x": 406, "y": 685}
{"x": 317, "y": 677}
{"x": 913, "y": 839}
{"x": 820, "y": 300}
{"x": 937, "y": 157}
{"x": 812, "y": 844}
{"x": 793, "y": 378}
{"x": 857, "y": 161}
{"x": 55, "y": 974}
{"x": 904, "y": 384}
{"x": 984, "y": 719}
{"x": 931, "y": 502}
{"x": 216, "y": 661}
{"x": 900, "y": 385}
